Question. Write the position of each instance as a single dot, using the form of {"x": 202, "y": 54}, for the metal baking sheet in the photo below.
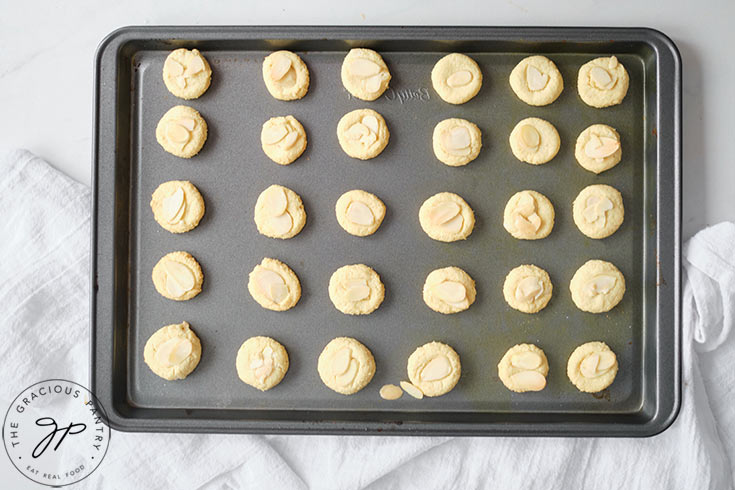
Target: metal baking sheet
{"x": 232, "y": 170}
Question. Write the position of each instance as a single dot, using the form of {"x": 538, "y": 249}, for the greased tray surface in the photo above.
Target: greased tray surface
{"x": 231, "y": 171}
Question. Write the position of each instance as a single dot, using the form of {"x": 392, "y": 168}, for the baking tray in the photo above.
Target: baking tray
{"x": 231, "y": 170}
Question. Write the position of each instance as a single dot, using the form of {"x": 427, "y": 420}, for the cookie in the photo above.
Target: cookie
{"x": 186, "y": 73}
{"x": 359, "y": 213}
{"x": 446, "y": 217}
{"x": 182, "y": 131}
{"x": 434, "y": 368}
{"x": 364, "y": 74}
{"x": 285, "y": 75}
{"x": 597, "y": 286}
{"x": 536, "y": 81}
{"x": 598, "y": 148}
{"x": 592, "y": 367}
{"x": 456, "y": 78}
{"x": 178, "y": 276}
{"x": 602, "y": 82}
{"x": 261, "y": 362}
{"x": 177, "y": 206}
{"x": 173, "y": 351}
{"x": 283, "y": 139}
{"x": 274, "y": 286}
{"x": 528, "y": 215}
{"x": 363, "y": 134}
{"x": 356, "y": 289}
{"x": 524, "y": 368}
{"x": 598, "y": 211}
{"x": 346, "y": 366}
{"x": 449, "y": 290}
{"x": 534, "y": 141}
{"x": 456, "y": 142}
{"x": 279, "y": 213}
{"x": 527, "y": 288}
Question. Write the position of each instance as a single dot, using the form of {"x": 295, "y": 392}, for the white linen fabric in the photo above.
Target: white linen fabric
{"x": 44, "y": 293}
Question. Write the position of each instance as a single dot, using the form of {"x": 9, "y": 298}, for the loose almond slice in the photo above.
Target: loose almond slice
{"x": 360, "y": 213}
{"x": 177, "y": 133}
{"x": 529, "y": 380}
{"x": 174, "y": 68}
{"x": 290, "y": 140}
{"x": 390, "y": 392}
{"x": 530, "y": 137}
{"x": 364, "y": 68}
{"x": 607, "y": 360}
{"x": 281, "y": 224}
{"x": 357, "y": 292}
{"x": 529, "y": 289}
{"x": 606, "y": 147}
{"x": 443, "y": 212}
{"x": 274, "y": 133}
{"x": 266, "y": 279}
{"x": 195, "y": 66}
{"x": 276, "y": 201}
{"x": 371, "y": 122}
{"x": 341, "y": 361}
{"x": 535, "y": 79}
{"x": 451, "y": 291}
{"x": 357, "y": 131}
{"x": 412, "y": 390}
{"x": 602, "y": 78}
{"x": 588, "y": 367}
{"x": 347, "y": 378}
{"x": 459, "y": 78}
{"x": 526, "y": 360}
{"x": 436, "y": 369}
{"x": 172, "y": 205}
{"x": 179, "y": 278}
{"x": 281, "y": 65}
{"x": 372, "y": 84}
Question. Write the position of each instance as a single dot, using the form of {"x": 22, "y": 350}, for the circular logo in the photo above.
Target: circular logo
{"x": 56, "y": 432}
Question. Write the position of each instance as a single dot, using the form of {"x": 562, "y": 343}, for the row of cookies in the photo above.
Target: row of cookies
{"x": 346, "y": 366}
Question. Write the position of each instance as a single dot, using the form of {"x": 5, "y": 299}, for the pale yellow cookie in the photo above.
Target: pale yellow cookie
{"x": 173, "y": 351}
{"x": 283, "y": 139}
{"x": 534, "y": 141}
{"x": 597, "y": 286}
{"x": 186, "y": 73}
{"x": 363, "y": 134}
{"x": 346, "y": 366}
{"x": 449, "y": 290}
{"x": 364, "y": 74}
{"x": 456, "y": 142}
{"x": 456, "y": 78}
{"x": 182, "y": 131}
{"x": 285, "y": 75}
{"x": 178, "y": 276}
{"x": 434, "y": 368}
{"x": 524, "y": 368}
{"x": 598, "y": 148}
{"x": 274, "y": 285}
{"x": 261, "y": 362}
{"x": 598, "y": 211}
{"x": 528, "y": 215}
{"x": 359, "y": 213}
{"x": 527, "y": 288}
{"x": 356, "y": 289}
{"x": 602, "y": 82}
{"x": 536, "y": 81}
{"x": 177, "y": 206}
{"x": 446, "y": 217}
{"x": 592, "y": 367}
{"x": 279, "y": 212}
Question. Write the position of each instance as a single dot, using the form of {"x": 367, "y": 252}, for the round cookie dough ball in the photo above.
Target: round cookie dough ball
{"x": 456, "y": 78}
{"x": 598, "y": 211}
{"x": 446, "y": 217}
{"x": 285, "y": 75}
{"x": 359, "y": 213}
{"x": 529, "y": 215}
{"x": 527, "y": 288}
{"x": 434, "y": 368}
{"x": 346, "y": 366}
{"x": 356, "y": 289}
{"x": 279, "y": 213}
{"x": 592, "y": 367}
{"x": 261, "y": 362}
{"x": 283, "y": 139}
{"x": 449, "y": 290}
{"x": 456, "y": 142}
{"x": 598, "y": 148}
{"x": 524, "y": 368}
{"x": 274, "y": 285}
{"x": 602, "y": 82}
{"x": 178, "y": 276}
{"x": 177, "y": 206}
{"x": 182, "y": 131}
{"x": 597, "y": 286}
{"x": 534, "y": 141}
{"x": 186, "y": 73}
{"x": 536, "y": 81}
{"x": 364, "y": 74}
{"x": 363, "y": 134}
{"x": 173, "y": 351}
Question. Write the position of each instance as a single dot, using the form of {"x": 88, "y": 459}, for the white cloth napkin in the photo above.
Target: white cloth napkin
{"x": 44, "y": 293}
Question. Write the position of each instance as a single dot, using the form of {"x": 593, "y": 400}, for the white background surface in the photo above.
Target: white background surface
{"x": 47, "y": 48}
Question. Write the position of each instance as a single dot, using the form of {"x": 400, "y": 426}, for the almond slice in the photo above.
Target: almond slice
{"x": 177, "y": 133}
{"x": 281, "y": 65}
{"x": 612, "y": 63}
{"x": 443, "y": 212}
{"x": 195, "y": 66}
{"x": 457, "y": 140}
{"x": 173, "y": 351}
{"x": 180, "y": 81}
{"x": 412, "y": 390}
{"x": 601, "y": 78}
{"x": 529, "y": 289}
{"x": 591, "y": 214}
{"x": 526, "y": 360}
{"x": 526, "y": 204}
{"x": 605, "y": 204}
{"x": 256, "y": 361}
{"x": 588, "y": 367}
{"x": 530, "y": 137}
{"x": 607, "y": 360}
{"x": 174, "y": 68}
{"x": 436, "y": 369}
{"x": 347, "y": 378}
{"x": 273, "y": 134}
{"x": 357, "y": 292}
{"x": 601, "y": 147}
{"x": 278, "y": 293}
{"x": 601, "y": 284}
{"x": 275, "y": 201}
{"x": 282, "y": 224}
{"x": 535, "y": 220}
{"x": 523, "y": 225}
{"x": 360, "y": 213}
{"x": 188, "y": 123}
{"x": 535, "y": 79}
{"x": 263, "y": 372}
{"x": 179, "y": 278}
{"x": 266, "y": 279}
{"x": 172, "y": 205}
{"x": 357, "y": 131}
{"x": 390, "y": 392}
{"x": 371, "y": 122}
{"x": 372, "y": 84}
{"x": 454, "y": 225}
{"x": 528, "y": 380}
{"x": 450, "y": 291}
{"x": 341, "y": 361}
{"x": 290, "y": 140}
{"x": 364, "y": 68}
{"x": 459, "y": 78}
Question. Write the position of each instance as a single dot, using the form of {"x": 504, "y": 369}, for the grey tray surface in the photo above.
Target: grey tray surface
{"x": 232, "y": 170}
